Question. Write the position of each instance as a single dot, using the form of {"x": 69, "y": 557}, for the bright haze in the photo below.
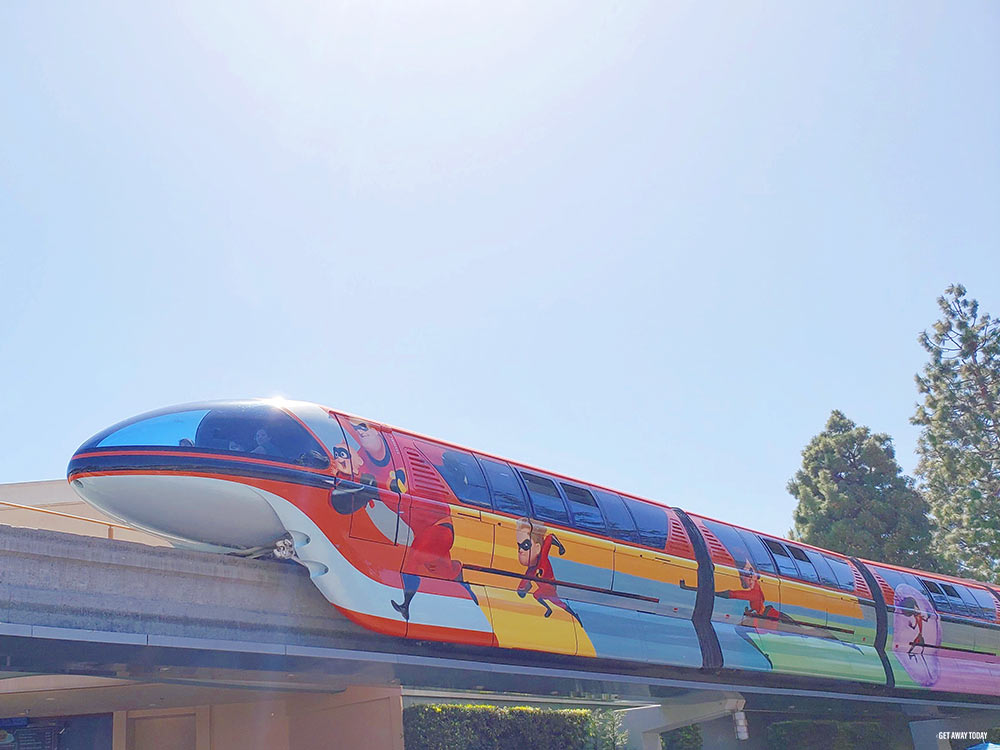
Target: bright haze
{"x": 647, "y": 245}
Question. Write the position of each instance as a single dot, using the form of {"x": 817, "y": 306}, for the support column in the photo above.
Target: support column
{"x": 360, "y": 717}
{"x": 646, "y": 724}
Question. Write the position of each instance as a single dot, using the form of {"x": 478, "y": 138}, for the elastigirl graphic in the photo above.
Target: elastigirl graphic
{"x": 533, "y": 547}
{"x": 916, "y": 635}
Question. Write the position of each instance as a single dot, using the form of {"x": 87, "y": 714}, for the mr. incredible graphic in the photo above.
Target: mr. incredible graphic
{"x": 533, "y": 547}
{"x": 429, "y": 552}
{"x": 377, "y": 468}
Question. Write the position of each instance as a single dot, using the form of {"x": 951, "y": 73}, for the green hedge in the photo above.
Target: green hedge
{"x": 827, "y": 735}
{"x": 460, "y": 727}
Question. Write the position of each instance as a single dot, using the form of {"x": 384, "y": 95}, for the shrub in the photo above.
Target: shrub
{"x": 460, "y": 727}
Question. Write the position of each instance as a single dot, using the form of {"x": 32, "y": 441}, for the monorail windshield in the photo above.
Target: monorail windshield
{"x": 259, "y": 430}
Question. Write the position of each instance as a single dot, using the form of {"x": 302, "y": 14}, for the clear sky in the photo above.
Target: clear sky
{"x": 651, "y": 245}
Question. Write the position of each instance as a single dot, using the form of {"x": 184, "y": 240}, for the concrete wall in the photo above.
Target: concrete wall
{"x": 362, "y": 717}
{"x": 369, "y": 718}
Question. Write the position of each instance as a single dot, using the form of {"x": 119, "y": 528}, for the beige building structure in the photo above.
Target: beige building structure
{"x": 115, "y": 714}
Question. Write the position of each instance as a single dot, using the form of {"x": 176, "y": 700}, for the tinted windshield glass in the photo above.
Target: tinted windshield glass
{"x": 253, "y": 429}
{"x": 174, "y": 430}
{"x": 323, "y": 423}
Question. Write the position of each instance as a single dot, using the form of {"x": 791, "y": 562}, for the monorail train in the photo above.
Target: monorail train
{"x": 414, "y": 537}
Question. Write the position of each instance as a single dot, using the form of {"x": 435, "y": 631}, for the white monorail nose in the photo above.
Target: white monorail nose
{"x": 194, "y": 512}
{"x": 191, "y": 474}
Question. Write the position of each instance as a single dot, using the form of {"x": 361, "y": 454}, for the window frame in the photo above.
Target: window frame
{"x": 525, "y": 511}
{"x": 768, "y": 541}
{"x": 615, "y": 532}
{"x": 524, "y": 474}
{"x": 643, "y": 541}
{"x": 799, "y": 563}
{"x": 565, "y": 487}
{"x": 419, "y": 444}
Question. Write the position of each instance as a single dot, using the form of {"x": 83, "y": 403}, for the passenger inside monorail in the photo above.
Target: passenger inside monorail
{"x": 260, "y": 430}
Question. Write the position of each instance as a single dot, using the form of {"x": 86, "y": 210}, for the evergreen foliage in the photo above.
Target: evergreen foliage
{"x": 959, "y": 444}
{"x": 473, "y": 727}
{"x": 854, "y": 499}
{"x": 683, "y": 738}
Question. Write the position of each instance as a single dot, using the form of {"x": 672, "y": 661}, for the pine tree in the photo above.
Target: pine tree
{"x": 959, "y": 445}
{"x": 854, "y": 498}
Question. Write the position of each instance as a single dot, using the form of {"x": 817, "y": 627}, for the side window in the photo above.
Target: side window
{"x": 823, "y": 569}
{"x": 843, "y": 572}
{"x": 936, "y": 595}
{"x": 545, "y": 499}
{"x": 954, "y": 599}
{"x": 897, "y": 578}
{"x": 732, "y": 540}
{"x": 785, "y": 565}
{"x": 620, "y": 523}
{"x": 985, "y": 601}
{"x": 806, "y": 570}
{"x": 508, "y": 497}
{"x": 650, "y": 521}
{"x": 583, "y": 507}
{"x": 761, "y": 558}
{"x": 460, "y": 470}
{"x": 971, "y": 605}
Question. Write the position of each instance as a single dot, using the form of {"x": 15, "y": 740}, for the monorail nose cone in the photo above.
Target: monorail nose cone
{"x": 187, "y": 473}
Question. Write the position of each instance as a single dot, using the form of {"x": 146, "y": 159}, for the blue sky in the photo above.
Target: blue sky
{"x": 651, "y": 245}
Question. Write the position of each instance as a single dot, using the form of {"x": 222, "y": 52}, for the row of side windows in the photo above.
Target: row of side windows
{"x": 781, "y": 558}
{"x": 495, "y": 485}
{"x": 960, "y": 600}
{"x": 946, "y": 598}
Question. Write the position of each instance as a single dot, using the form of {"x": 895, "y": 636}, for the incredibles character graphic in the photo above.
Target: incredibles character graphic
{"x": 378, "y": 470}
{"x": 430, "y": 555}
{"x": 751, "y": 592}
{"x": 533, "y": 547}
{"x": 916, "y": 632}
{"x": 911, "y": 608}
{"x": 429, "y": 552}
{"x": 348, "y": 496}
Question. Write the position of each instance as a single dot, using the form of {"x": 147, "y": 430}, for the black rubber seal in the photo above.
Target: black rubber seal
{"x": 704, "y": 603}
{"x": 881, "y": 620}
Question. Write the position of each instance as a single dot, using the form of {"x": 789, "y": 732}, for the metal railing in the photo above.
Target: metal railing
{"x": 111, "y": 526}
